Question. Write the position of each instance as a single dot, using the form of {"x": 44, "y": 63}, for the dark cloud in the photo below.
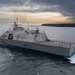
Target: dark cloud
{"x": 66, "y": 7}
{"x": 12, "y": 2}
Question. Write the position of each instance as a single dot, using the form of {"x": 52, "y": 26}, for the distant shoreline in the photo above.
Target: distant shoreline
{"x": 59, "y": 25}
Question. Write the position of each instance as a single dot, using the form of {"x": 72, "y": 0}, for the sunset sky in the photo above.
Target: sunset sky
{"x": 37, "y": 11}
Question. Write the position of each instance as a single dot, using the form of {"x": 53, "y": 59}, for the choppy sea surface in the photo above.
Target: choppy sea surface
{"x": 18, "y": 61}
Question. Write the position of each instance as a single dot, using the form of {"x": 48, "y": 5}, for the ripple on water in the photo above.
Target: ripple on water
{"x": 32, "y": 63}
{"x": 5, "y": 61}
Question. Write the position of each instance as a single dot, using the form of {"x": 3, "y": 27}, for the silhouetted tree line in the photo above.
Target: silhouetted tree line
{"x": 60, "y": 25}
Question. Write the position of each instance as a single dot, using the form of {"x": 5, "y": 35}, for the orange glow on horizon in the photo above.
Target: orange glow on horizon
{"x": 37, "y": 18}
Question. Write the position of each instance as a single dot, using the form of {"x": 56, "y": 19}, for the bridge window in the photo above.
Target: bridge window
{"x": 18, "y": 36}
{"x": 10, "y": 36}
{"x": 22, "y": 37}
{"x": 7, "y": 31}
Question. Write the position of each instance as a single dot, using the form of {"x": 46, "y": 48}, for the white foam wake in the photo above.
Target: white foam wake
{"x": 72, "y": 59}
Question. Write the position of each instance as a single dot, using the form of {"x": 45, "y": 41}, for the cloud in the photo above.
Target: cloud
{"x": 66, "y": 7}
{"x": 26, "y": 6}
{"x": 12, "y": 2}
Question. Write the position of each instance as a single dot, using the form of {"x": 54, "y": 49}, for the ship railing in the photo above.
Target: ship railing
{"x": 68, "y": 42}
{"x": 60, "y": 43}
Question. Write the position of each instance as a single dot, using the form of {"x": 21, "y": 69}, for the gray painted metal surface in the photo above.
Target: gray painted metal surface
{"x": 40, "y": 47}
{"x": 35, "y": 40}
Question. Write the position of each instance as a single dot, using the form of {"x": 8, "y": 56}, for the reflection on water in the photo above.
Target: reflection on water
{"x": 14, "y": 62}
{"x": 5, "y": 61}
{"x": 32, "y": 63}
{"x": 55, "y": 33}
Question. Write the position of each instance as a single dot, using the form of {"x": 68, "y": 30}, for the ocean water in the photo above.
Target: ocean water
{"x": 18, "y": 61}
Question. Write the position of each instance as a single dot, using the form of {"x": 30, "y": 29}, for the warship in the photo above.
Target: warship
{"x": 35, "y": 40}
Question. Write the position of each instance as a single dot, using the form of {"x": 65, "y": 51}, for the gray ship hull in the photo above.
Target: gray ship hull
{"x": 66, "y": 52}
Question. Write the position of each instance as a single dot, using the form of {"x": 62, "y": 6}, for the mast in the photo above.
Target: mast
{"x": 17, "y": 21}
{"x": 16, "y": 24}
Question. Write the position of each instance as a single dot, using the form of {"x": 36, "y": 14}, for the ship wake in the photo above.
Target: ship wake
{"x": 72, "y": 59}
